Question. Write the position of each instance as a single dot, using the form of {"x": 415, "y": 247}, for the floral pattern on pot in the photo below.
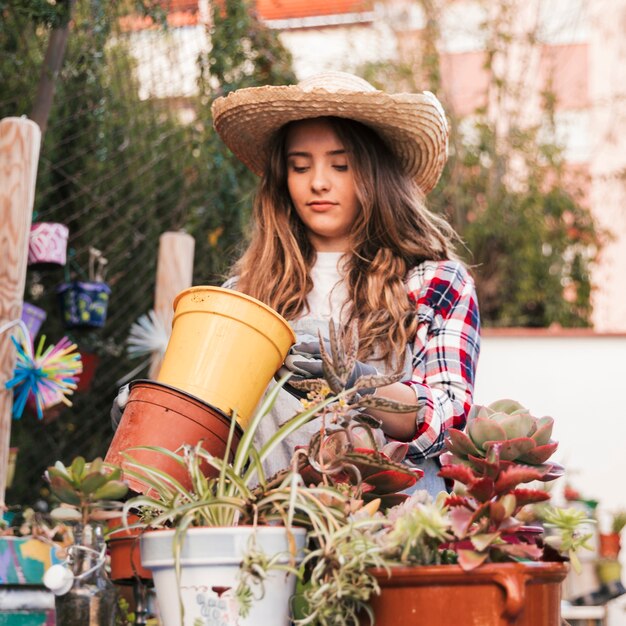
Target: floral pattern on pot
{"x": 84, "y": 303}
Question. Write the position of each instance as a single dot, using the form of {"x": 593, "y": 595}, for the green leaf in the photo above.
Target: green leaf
{"x": 506, "y": 405}
{"x": 92, "y": 481}
{"x": 511, "y": 449}
{"x": 77, "y": 468}
{"x": 67, "y": 494}
{"x": 66, "y": 514}
{"x": 544, "y": 431}
{"x": 113, "y": 490}
{"x": 482, "y": 541}
{"x": 482, "y": 430}
{"x": 470, "y": 559}
{"x": 516, "y": 426}
{"x": 539, "y": 454}
{"x": 460, "y": 444}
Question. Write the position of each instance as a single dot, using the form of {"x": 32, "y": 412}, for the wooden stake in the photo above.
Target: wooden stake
{"x": 20, "y": 139}
{"x": 174, "y": 273}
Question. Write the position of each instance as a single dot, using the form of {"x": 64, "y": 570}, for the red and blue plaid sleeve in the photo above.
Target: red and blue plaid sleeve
{"x": 445, "y": 352}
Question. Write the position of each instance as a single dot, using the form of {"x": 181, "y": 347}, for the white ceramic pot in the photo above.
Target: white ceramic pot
{"x": 210, "y": 560}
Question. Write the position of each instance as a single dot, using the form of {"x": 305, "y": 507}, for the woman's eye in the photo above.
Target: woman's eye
{"x": 341, "y": 168}
{"x": 298, "y": 169}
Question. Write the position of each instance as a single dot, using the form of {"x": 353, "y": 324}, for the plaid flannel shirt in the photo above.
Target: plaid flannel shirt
{"x": 445, "y": 352}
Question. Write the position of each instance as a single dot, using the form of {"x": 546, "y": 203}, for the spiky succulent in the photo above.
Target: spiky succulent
{"x": 342, "y": 456}
{"x": 521, "y": 438}
{"x": 345, "y": 453}
{"x": 337, "y": 366}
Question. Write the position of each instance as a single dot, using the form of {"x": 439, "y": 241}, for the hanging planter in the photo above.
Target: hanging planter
{"x": 47, "y": 244}
{"x": 33, "y": 317}
{"x": 84, "y": 304}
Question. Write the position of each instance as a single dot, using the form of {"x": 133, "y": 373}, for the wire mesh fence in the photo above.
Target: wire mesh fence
{"x": 128, "y": 154}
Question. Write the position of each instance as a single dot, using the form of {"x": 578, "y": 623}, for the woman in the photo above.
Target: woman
{"x": 340, "y": 231}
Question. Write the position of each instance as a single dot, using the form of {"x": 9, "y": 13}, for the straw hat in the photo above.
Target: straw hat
{"x": 413, "y": 125}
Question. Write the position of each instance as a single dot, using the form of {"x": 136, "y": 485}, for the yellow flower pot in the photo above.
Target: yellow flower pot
{"x": 224, "y": 348}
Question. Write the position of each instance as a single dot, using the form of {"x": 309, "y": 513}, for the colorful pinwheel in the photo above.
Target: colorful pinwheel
{"x": 50, "y": 375}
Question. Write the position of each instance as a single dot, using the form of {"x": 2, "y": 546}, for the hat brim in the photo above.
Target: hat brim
{"x": 413, "y": 125}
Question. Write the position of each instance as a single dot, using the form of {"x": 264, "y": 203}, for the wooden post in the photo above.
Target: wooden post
{"x": 174, "y": 273}
{"x": 20, "y": 139}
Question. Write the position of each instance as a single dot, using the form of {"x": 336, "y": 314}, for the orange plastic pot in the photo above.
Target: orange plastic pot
{"x": 224, "y": 348}
{"x": 125, "y": 555}
{"x": 610, "y": 545}
{"x": 159, "y": 415}
{"x": 502, "y": 594}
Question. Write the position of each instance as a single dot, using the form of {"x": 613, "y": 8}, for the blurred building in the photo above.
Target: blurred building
{"x": 576, "y": 48}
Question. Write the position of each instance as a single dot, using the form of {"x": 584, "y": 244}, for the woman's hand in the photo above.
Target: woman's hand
{"x": 118, "y": 406}
{"x": 304, "y": 361}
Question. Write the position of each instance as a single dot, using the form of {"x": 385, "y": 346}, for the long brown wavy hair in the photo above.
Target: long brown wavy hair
{"x": 393, "y": 233}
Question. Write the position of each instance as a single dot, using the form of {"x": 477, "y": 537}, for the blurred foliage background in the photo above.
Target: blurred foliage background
{"x": 129, "y": 153}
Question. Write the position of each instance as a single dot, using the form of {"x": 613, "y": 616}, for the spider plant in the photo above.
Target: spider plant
{"x": 238, "y": 494}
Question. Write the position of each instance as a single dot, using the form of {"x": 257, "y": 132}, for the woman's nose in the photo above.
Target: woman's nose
{"x": 320, "y": 180}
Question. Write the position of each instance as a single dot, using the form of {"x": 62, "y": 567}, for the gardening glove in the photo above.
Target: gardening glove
{"x": 304, "y": 361}
{"x": 119, "y": 404}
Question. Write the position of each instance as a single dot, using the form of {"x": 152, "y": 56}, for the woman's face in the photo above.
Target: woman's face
{"x": 321, "y": 184}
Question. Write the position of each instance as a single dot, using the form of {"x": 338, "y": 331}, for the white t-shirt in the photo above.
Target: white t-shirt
{"x": 329, "y": 293}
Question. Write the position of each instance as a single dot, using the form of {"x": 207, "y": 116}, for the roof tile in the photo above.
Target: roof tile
{"x": 285, "y": 9}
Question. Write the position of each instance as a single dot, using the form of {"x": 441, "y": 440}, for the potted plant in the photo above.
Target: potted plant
{"x": 84, "y": 303}
{"x": 89, "y": 494}
{"x": 480, "y": 563}
{"x": 466, "y": 558}
{"x": 222, "y": 526}
{"x": 610, "y": 542}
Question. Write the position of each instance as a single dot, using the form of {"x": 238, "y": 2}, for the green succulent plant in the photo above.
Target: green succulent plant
{"x": 87, "y": 491}
{"x": 567, "y": 535}
{"x": 618, "y": 521}
{"x": 521, "y": 438}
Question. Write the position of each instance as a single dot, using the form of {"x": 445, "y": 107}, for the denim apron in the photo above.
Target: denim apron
{"x": 286, "y": 406}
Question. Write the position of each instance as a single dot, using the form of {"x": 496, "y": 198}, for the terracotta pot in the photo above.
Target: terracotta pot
{"x": 610, "y": 545}
{"x": 163, "y": 416}
{"x": 125, "y": 555}
{"x": 499, "y": 594}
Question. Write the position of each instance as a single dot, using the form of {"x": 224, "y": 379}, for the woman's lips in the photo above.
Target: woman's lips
{"x": 321, "y": 206}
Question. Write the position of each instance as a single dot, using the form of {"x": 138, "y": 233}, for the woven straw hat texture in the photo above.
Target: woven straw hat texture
{"x": 414, "y": 126}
